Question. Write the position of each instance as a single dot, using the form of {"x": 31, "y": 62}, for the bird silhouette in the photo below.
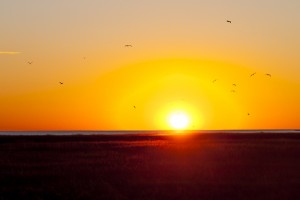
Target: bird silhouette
{"x": 248, "y": 114}
{"x": 128, "y": 45}
{"x": 232, "y": 91}
{"x": 253, "y": 74}
{"x": 234, "y": 84}
{"x": 29, "y": 62}
{"x": 229, "y": 21}
{"x": 134, "y": 107}
{"x": 214, "y": 80}
{"x": 268, "y": 75}
{"x": 61, "y": 83}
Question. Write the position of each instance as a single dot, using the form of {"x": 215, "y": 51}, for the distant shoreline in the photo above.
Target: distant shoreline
{"x": 147, "y": 132}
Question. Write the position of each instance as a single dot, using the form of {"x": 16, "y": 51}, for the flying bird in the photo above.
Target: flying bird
{"x": 232, "y": 91}
{"x": 229, "y": 21}
{"x": 253, "y": 74}
{"x": 128, "y": 45}
{"x": 248, "y": 113}
{"x": 234, "y": 85}
{"x": 268, "y": 75}
{"x": 29, "y": 62}
{"x": 214, "y": 80}
{"x": 61, "y": 83}
{"x": 134, "y": 107}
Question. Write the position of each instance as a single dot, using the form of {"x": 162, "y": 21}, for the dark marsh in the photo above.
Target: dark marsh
{"x": 197, "y": 166}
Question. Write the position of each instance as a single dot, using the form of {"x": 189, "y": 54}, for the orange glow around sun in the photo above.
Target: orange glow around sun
{"x": 177, "y": 94}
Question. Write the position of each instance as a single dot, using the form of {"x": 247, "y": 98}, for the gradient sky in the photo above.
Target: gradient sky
{"x": 179, "y": 48}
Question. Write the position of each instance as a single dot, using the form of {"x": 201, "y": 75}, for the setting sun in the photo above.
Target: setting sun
{"x": 107, "y": 69}
{"x": 140, "y": 99}
{"x": 179, "y": 120}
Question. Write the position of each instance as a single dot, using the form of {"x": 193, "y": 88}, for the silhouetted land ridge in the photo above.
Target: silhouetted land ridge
{"x": 197, "y": 166}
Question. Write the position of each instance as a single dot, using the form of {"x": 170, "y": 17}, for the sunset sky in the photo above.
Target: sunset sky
{"x": 184, "y": 58}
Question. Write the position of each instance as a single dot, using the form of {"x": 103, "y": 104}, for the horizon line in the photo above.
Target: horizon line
{"x": 149, "y": 130}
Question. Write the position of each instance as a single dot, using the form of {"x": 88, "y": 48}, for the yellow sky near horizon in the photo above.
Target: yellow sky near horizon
{"x": 179, "y": 48}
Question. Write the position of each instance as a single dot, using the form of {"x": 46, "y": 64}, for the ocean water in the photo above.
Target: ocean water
{"x": 134, "y": 132}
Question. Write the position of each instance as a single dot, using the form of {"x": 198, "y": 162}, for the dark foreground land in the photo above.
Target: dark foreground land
{"x": 203, "y": 166}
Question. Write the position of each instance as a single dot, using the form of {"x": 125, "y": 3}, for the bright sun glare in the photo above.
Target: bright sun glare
{"x": 179, "y": 120}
